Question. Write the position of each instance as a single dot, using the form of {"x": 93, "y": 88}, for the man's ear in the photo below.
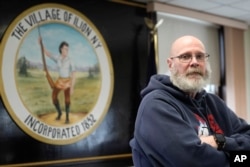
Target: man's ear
{"x": 169, "y": 63}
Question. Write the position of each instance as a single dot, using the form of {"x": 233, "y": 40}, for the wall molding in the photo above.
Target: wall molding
{"x": 160, "y": 7}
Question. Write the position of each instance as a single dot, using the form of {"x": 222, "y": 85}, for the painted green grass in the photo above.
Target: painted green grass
{"x": 35, "y": 92}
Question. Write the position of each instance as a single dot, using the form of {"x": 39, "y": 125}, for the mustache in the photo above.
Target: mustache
{"x": 194, "y": 71}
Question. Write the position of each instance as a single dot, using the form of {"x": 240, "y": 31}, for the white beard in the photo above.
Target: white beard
{"x": 183, "y": 82}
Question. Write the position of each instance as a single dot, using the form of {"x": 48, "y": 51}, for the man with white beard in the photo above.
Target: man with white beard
{"x": 178, "y": 123}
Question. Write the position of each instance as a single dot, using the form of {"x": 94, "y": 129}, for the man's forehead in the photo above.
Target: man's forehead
{"x": 187, "y": 43}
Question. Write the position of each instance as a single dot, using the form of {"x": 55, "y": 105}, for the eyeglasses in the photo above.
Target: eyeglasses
{"x": 187, "y": 57}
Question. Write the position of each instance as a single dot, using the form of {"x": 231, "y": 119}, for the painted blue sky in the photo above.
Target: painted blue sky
{"x": 80, "y": 50}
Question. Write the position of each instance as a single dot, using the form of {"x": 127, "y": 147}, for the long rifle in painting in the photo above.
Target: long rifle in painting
{"x": 50, "y": 80}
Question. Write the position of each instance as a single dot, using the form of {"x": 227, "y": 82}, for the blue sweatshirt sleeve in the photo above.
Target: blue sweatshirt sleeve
{"x": 236, "y": 129}
{"x": 165, "y": 139}
{"x": 238, "y": 139}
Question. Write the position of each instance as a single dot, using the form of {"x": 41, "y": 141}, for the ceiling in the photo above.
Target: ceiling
{"x": 233, "y": 9}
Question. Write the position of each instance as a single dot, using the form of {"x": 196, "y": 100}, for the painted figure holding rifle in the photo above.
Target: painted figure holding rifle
{"x": 66, "y": 79}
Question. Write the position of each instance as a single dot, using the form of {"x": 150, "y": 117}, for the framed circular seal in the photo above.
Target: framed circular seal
{"x": 56, "y": 74}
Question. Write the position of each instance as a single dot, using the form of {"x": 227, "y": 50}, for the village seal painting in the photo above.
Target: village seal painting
{"x": 56, "y": 74}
